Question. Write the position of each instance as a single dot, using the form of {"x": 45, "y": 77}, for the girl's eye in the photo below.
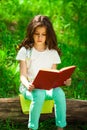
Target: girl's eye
{"x": 44, "y": 34}
{"x": 37, "y": 34}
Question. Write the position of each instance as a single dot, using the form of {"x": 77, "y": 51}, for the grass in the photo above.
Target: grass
{"x": 44, "y": 125}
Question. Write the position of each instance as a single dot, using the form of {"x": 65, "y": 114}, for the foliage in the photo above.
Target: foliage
{"x": 69, "y": 21}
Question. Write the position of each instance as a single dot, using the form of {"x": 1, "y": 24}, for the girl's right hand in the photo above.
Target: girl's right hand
{"x": 31, "y": 87}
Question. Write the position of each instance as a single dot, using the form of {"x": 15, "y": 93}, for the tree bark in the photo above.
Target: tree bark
{"x": 10, "y": 109}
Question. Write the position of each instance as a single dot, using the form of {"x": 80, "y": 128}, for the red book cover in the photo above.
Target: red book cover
{"x": 50, "y": 78}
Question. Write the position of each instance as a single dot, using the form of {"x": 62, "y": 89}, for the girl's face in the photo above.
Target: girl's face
{"x": 40, "y": 36}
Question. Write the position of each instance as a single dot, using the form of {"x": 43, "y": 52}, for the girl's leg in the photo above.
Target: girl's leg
{"x": 60, "y": 107}
{"x": 38, "y": 97}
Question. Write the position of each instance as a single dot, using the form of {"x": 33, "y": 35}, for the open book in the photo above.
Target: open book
{"x": 50, "y": 78}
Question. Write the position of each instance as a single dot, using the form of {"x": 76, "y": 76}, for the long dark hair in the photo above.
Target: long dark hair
{"x": 40, "y": 21}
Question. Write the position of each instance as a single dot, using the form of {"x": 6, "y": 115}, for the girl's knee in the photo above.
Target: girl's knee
{"x": 58, "y": 92}
{"x": 59, "y": 95}
{"x": 38, "y": 95}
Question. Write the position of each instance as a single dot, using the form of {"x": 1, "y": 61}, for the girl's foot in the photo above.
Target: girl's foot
{"x": 59, "y": 128}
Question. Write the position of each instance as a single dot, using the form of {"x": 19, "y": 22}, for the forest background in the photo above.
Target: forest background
{"x": 69, "y": 18}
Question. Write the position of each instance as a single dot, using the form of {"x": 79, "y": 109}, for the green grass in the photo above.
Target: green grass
{"x": 45, "y": 125}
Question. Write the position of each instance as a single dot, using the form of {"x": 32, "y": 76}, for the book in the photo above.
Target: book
{"x": 50, "y": 78}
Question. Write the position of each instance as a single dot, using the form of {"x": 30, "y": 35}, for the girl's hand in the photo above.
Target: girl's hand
{"x": 67, "y": 82}
{"x": 31, "y": 87}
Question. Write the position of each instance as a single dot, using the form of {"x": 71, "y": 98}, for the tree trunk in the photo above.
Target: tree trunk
{"x": 10, "y": 108}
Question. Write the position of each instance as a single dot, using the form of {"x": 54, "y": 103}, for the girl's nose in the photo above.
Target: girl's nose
{"x": 40, "y": 36}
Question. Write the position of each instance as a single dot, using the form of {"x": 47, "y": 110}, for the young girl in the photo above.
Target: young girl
{"x": 39, "y": 50}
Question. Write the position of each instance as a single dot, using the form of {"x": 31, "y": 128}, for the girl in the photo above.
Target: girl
{"x": 39, "y": 50}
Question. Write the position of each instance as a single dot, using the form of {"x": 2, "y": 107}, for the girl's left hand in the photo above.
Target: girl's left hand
{"x": 67, "y": 82}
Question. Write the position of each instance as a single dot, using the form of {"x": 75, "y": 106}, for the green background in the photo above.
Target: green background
{"x": 69, "y": 18}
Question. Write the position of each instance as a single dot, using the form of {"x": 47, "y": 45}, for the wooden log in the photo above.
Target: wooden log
{"x": 10, "y": 109}
{"x": 77, "y": 110}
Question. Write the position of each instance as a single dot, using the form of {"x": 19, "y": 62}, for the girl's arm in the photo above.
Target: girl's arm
{"x": 68, "y": 81}
{"x": 23, "y": 76}
{"x": 54, "y": 66}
